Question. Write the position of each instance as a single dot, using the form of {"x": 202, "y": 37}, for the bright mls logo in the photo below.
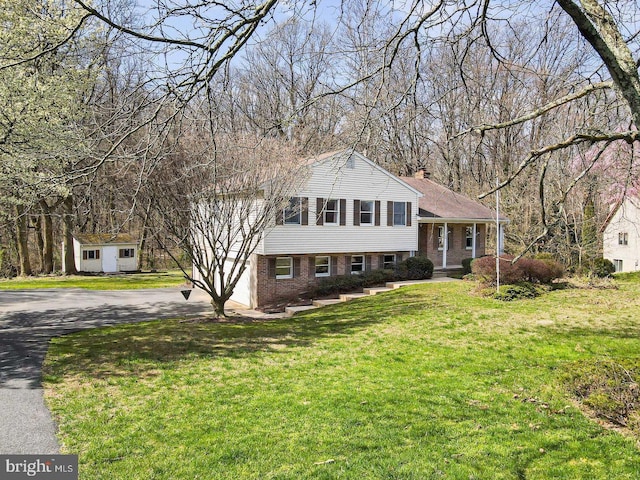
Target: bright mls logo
{"x": 45, "y": 467}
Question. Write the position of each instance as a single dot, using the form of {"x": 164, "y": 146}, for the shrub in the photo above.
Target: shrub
{"x": 466, "y": 265}
{"x": 484, "y": 269}
{"x": 602, "y": 267}
{"x": 524, "y": 270}
{"x": 416, "y": 268}
{"x": 349, "y": 283}
{"x": 517, "y": 292}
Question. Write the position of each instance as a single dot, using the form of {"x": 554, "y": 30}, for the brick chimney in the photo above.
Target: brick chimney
{"x": 422, "y": 174}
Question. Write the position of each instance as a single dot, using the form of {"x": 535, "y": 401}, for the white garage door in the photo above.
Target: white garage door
{"x": 242, "y": 292}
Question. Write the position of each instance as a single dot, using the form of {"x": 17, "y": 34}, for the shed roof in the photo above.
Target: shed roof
{"x": 438, "y": 201}
{"x": 105, "y": 238}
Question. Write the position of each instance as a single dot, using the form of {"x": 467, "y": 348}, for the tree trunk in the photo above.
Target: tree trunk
{"x": 599, "y": 28}
{"x": 218, "y": 307}
{"x": 143, "y": 235}
{"x": 22, "y": 241}
{"x": 40, "y": 241}
{"x": 68, "y": 257}
{"x": 47, "y": 241}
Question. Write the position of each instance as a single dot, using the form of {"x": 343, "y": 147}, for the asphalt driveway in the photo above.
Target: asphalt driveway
{"x": 30, "y": 318}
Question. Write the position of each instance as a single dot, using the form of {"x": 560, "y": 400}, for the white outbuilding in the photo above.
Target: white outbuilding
{"x": 107, "y": 253}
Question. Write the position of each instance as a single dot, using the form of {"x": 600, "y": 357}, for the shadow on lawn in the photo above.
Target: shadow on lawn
{"x": 25, "y": 336}
{"x": 141, "y": 349}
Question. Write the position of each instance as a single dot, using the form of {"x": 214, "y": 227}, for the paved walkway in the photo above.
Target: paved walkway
{"x": 30, "y": 318}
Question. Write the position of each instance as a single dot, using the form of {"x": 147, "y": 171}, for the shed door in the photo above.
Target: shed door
{"x": 109, "y": 259}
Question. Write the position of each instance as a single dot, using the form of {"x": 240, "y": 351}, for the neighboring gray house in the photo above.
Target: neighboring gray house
{"x": 621, "y": 236}
{"x": 107, "y": 253}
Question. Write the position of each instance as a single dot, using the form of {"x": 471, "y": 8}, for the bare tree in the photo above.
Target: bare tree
{"x": 215, "y": 198}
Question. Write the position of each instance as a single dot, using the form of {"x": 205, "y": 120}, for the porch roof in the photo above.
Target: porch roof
{"x": 438, "y": 202}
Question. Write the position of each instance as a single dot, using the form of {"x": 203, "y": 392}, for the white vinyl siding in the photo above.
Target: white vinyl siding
{"x": 331, "y": 180}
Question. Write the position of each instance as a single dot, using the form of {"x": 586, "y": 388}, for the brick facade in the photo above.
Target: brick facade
{"x": 267, "y": 289}
{"x": 428, "y": 242}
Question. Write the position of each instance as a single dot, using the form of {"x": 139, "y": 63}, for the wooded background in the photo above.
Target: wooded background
{"x": 111, "y": 112}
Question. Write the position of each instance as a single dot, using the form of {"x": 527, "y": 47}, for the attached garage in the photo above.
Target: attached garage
{"x": 105, "y": 253}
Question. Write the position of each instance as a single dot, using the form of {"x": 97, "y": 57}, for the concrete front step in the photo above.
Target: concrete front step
{"x": 345, "y": 297}
{"x": 375, "y": 290}
{"x": 328, "y": 301}
{"x": 290, "y": 311}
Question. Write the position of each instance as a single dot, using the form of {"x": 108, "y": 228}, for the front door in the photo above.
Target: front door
{"x": 109, "y": 259}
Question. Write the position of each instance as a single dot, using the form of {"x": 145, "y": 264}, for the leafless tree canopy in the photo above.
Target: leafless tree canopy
{"x": 544, "y": 95}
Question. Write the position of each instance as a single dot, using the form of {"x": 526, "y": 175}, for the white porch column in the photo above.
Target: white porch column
{"x": 445, "y": 245}
{"x": 473, "y": 241}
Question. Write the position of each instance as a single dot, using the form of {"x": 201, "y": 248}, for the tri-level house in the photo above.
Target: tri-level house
{"x": 350, "y": 215}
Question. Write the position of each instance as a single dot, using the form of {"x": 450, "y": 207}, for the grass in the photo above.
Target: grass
{"x": 97, "y": 282}
{"x": 425, "y": 382}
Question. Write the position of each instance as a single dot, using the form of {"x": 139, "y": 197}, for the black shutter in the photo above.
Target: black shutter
{"x": 312, "y": 266}
{"x": 296, "y": 267}
{"x": 97, "y": 254}
{"x": 304, "y": 214}
{"x": 408, "y": 214}
{"x": 367, "y": 263}
{"x": 271, "y": 267}
{"x": 347, "y": 264}
{"x": 380, "y": 262}
{"x": 319, "y": 211}
{"x": 334, "y": 266}
{"x": 343, "y": 211}
{"x": 377, "y": 213}
{"x": 84, "y": 254}
{"x": 356, "y": 212}
{"x": 389, "y": 214}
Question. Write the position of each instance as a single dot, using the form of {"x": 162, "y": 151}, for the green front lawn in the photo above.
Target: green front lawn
{"x": 424, "y": 382}
{"x": 97, "y": 282}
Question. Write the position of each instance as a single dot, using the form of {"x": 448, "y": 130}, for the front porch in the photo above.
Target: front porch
{"x": 447, "y": 251}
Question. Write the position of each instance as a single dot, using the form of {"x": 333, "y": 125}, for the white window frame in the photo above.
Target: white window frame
{"x": 392, "y": 262}
{"x": 335, "y": 211}
{"x": 441, "y": 234}
{"x": 623, "y": 238}
{"x": 618, "y": 265}
{"x": 296, "y": 218}
{"x": 354, "y": 264}
{"x": 289, "y": 267}
{"x": 398, "y": 215}
{"x": 326, "y": 264}
{"x": 468, "y": 238}
{"x": 371, "y": 213}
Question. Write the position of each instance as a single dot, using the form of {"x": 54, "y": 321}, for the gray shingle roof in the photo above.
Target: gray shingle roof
{"x": 440, "y": 202}
{"x": 105, "y": 238}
